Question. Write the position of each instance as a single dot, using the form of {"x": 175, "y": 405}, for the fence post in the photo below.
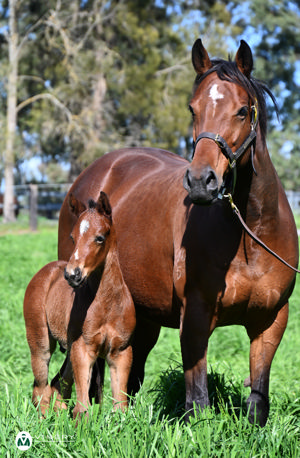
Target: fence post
{"x": 33, "y": 206}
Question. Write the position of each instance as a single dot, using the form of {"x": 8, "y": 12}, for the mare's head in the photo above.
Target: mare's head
{"x": 229, "y": 102}
{"x": 92, "y": 237}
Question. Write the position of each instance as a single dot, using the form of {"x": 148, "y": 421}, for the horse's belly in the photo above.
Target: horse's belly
{"x": 249, "y": 298}
{"x": 147, "y": 264}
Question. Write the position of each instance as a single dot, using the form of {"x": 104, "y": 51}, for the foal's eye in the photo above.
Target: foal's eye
{"x": 71, "y": 237}
{"x": 242, "y": 113}
{"x": 99, "y": 239}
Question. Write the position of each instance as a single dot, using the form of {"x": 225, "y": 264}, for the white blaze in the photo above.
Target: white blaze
{"x": 214, "y": 94}
{"x": 76, "y": 255}
{"x": 84, "y": 226}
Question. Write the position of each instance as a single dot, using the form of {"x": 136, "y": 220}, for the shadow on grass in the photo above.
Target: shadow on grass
{"x": 169, "y": 393}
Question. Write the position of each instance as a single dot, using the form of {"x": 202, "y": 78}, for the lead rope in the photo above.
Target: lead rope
{"x": 253, "y": 236}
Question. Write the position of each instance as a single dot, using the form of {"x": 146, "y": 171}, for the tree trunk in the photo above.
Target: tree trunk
{"x": 9, "y": 157}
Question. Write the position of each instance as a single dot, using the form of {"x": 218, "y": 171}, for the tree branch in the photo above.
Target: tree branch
{"x": 50, "y": 97}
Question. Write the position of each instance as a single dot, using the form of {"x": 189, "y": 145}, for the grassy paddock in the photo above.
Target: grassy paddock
{"x": 153, "y": 426}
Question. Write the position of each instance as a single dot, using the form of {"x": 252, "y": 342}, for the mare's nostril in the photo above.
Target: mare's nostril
{"x": 211, "y": 180}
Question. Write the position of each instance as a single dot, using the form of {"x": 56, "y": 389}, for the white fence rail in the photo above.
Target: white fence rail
{"x": 294, "y": 200}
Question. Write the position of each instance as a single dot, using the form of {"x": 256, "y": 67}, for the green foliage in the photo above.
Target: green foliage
{"x": 275, "y": 26}
{"x": 153, "y": 425}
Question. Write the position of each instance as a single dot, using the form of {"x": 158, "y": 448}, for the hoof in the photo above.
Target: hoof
{"x": 79, "y": 414}
{"x": 59, "y": 403}
{"x": 193, "y": 409}
{"x": 247, "y": 382}
{"x": 258, "y": 408}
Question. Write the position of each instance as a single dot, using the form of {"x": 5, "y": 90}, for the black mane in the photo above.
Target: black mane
{"x": 257, "y": 90}
{"x": 92, "y": 204}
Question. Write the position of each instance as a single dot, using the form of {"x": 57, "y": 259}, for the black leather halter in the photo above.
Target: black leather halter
{"x": 227, "y": 151}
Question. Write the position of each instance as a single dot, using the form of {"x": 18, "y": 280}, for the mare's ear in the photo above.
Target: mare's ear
{"x": 75, "y": 205}
{"x": 200, "y": 58}
{"x": 103, "y": 205}
{"x": 244, "y": 59}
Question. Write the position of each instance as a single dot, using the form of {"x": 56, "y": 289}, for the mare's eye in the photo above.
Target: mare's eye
{"x": 71, "y": 237}
{"x": 99, "y": 239}
{"x": 242, "y": 113}
{"x": 192, "y": 111}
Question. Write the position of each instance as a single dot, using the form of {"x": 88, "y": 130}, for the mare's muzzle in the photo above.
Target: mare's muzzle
{"x": 203, "y": 190}
{"x": 74, "y": 278}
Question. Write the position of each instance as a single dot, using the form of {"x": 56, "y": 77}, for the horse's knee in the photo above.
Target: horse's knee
{"x": 258, "y": 408}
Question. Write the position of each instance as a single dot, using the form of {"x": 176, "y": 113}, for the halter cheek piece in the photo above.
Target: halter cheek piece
{"x": 227, "y": 151}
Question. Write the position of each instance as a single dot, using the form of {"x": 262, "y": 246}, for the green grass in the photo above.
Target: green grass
{"x": 153, "y": 426}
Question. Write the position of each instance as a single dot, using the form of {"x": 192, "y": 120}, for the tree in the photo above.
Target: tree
{"x": 8, "y": 209}
{"x": 275, "y": 25}
{"x": 108, "y": 74}
{"x": 18, "y": 15}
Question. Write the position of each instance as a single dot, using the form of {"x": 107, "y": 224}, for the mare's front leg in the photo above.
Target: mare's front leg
{"x": 194, "y": 334}
{"x": 262, "y": 350}
{"x": 144, "y": 338}
{"x": 119, "y": 365}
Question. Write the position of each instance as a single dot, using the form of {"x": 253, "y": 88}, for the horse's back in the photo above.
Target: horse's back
{"x": 123, "y": 168}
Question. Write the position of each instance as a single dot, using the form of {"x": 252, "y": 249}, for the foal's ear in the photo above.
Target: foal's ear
{"x": 103, "y": 205}
{"x": 76, "y": 206}
{"x": 244, "y": 59}
{"x": 200, "y": 58}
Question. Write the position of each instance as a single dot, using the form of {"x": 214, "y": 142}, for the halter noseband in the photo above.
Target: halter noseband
{"x": 227, "y": 151}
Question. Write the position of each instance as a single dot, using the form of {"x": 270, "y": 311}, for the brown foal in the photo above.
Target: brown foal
{"x": 91, "y": 314}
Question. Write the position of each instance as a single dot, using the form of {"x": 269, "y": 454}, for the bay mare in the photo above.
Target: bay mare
{"x": 183, "y": 253}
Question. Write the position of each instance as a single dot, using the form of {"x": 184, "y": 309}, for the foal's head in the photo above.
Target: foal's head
{"x": 229, "y": 102}
{"x": 91, "y": 236}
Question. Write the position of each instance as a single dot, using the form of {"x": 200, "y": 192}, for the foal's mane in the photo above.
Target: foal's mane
{"x": 256, "y": 89}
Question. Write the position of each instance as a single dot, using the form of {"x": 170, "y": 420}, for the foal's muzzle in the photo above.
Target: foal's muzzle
{"x": 74, "y": 278}
{"x": 203, "y": 190}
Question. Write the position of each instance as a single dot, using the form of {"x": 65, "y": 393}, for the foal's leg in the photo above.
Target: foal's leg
{"x": 262, "y": 350}
{"x": 82, "y": 359}
{"x": 120, "y": 365}
{"x": 145, "y": 337}
{"x": 41, "y": 347}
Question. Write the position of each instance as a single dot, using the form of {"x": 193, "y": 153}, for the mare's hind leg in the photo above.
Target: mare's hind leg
{"x": 262, "y": 350}
{"x": 62, "y": 383}
{"x": 145, "y": 337}
{"x": 97, "y": 381}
